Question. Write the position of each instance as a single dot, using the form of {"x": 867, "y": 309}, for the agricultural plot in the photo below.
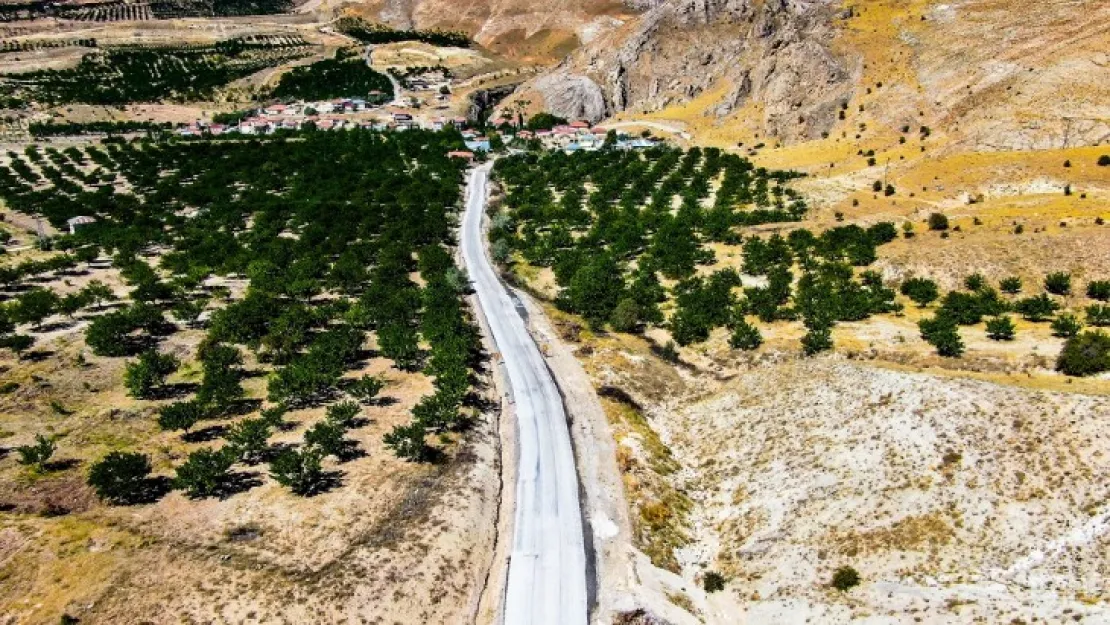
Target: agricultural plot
{"x": 630, "y": 237}
{"x": 117, "y": 11}
{"x": 284, "y": 314}
{"x": 347, "y": 75}
{"x": 151, "y": 74}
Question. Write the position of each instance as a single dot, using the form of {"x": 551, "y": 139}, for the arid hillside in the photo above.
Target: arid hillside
{"x": 997, "y": 74}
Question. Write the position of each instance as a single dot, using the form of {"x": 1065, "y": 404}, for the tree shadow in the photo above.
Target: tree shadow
{"x": 350, "y": 451}
{"x": 272, "y": 452}
{"x": 383, "y": 402}
{"x": 174, "y": 391}
{"x": 54, "y": 326}
{"x": 329, "y": 480}
{"x": 38, "y": 355}
{"x": 61, "y": 465}
{"x": 242, "y": 407}
{"x": 237, "y": 482}
{"x": 204, "y": 435}
{"x": 151, "y": 490}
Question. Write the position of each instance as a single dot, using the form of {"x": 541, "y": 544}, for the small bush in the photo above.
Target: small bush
{"x": 1098, "y": 315}
{"x": 1066, "y": 326}
{"x": 817, "y": 340}
{"x": 713, "y": 582}
{"x": 974, "y": 282}
{"x": 942, "y": 332}
{"x": 1058, "y": 283}
{"x": 845, "y": 578}
{"x": 1085, "y": 354}
{"x": 1000, "y": 329}
{"x": 921, "y": 290}
{"x": 120, "y": 477}
{"x": 1037, "y": 308}
{"x": 1011, "y": 285}
{"x": 745, "y": 336}
{"x": 1104, "y": 160}
{"x": 938, "y": 221}
{"x": 1099, "y": 289}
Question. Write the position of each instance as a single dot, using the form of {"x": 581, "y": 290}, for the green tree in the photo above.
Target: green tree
{"x": 595, "y": 290}
{"x": 204, "y": 473}
{"x": 120, "y": 477}
{"x": 327, "y": 437}
{"x": 1011, "y": 285}
{"x": 180, "y": 415}
{"x": 407, "y": 442}
{"x": 626, "y": 316}
{"x": 366, "y": 388}
{"x": 343, "y": 414}
{"x": 34, "y": 306}
{"x": 1000, "y": 328}
{"x": 18, "y": 343}
{"x": 1084, "y": 354}
{"x": 1037, "y": 308}
{"x": 845, "y": 578}
{"x": 942, "y": 333}
{"x": 744, "y": 335}
{"x": 398, "y": 342}
{"x": 143, "y": 377}
{"x": 38, "y": 454}
{"x": 938, "y": 221}
{"x": 817, "y": 340}
{"x": 921, "y": 290}
{"x": 975, "y": 282}
{"x": 1098, "y": 315}
{"x": 1099, "y": 289}
{"x": 249, "y": 439}
{"x": 1066, "y": 325}
{"x": 1058, "y": 283}
{"x": 300, "y": 471}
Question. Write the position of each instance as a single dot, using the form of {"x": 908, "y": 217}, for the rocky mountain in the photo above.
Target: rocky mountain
{"x": 1001, "y": 74}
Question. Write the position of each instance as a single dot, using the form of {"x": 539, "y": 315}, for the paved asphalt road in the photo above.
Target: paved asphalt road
{"x": 547, "y": 569}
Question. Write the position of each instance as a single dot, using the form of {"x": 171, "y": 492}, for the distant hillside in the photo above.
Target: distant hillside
{"x": 998, "y": 74}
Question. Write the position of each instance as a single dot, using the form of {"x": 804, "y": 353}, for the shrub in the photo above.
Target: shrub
{"x": 1104, "y": 160}
{"x": 669, "y": 352}
{"x": 1058, "y": 283}
{"x": 1099, "y": 289}
{"x": 1066, "y": 325}
{"x": 182, "y": 415}
{"x": 145, "y": 375}
{"x": 407, "y": 442}
{"x": 300, "y": 471}
{"x": 327, "y": 437}
{"x": 366, "y": 388}
{"x": 204, "y": 473}
{"x": 817, "y": 340}
{"x": 248, "y": 439}
{"x": 1085, "y": 354}
{"x": 938, "y": 221}
{"x": 713, "y": 582}
{"x": 1098, "y": 315}
{"x": 38, "y": 454}
{"x": 1000, "y": 329}
{"x": 975, "y": 282}
{"x": 845, "y": 578}
{"x": 942, "y": 333}
{"x": 1037, "y": 308}
{"x": 120, "y": 477}
{"x": 921, "y": 290}
{"x": 745, "y": 336}
{"x": 1011, "y": 285}
{"x": 342, "y": 414}
{"x": 626, "y": 316}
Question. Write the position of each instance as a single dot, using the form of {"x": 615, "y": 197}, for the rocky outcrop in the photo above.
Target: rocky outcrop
{"x": 774, "y": 52}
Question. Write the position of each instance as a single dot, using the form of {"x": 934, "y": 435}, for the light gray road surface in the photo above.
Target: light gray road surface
{"x": 547, "y": 570}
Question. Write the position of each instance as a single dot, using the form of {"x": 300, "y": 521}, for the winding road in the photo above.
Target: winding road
{"x": 547, "y": 567}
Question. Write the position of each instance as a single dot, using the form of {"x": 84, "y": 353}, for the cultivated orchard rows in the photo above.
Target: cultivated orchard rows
{"x": 328, "y": 230}
{"x": 652, "y": 216}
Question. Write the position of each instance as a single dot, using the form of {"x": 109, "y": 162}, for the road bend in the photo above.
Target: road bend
{"x": 547, "y": 567}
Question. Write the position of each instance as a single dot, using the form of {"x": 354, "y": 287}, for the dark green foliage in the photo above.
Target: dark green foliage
{"x": 713, "y": 582}
{"x": 942, "y": 333}
{"x": 970, "y": 308}
{"x": 921, "y": 290}
{"x": 148, "y": 374}
{"x": 120, "y": 477}
{"x": 595, "y": 290}
{"x": 248, "y": 439}
{"x": 702, "y": 305}
{"x": 845, "y": 578}
{"x": 1058, "y": 283}
{"x": 37, "y": 454}
{"x": 368, "y": 32}
{"x": 34, "y": 306}
{"x": 343, "y": 414}
{"x": 407, "y": 442}
{"x": 1038, "y": 308}
{"x": 975, "y": 282}
{"x": 1066, "y": 325}
{"x": 1085, "y": 354}
{"x": 327, "y": 437}
{"x": 744, "y": 335}
{"x": 300, "y": 471}
{"x": 204, "y": 473}
{"x": 817, "y": 340}
{"x": 938, "y": 221}
{"x": 333, "y": 78}
{"x": 1098, "y": 315}
{"x": 1099, "y": 289}
{"x": 180, "y": 416}
{"x": 543, "y": 121}
{"x": 18, "y": 343}
{"x": 1000, "y": 328}
{"x": 366, "y": 388}
{"x": 51, "y": 129}
{"x": 1104, "y": 160}
{"x": 134, "y": 74}
{"x": 1011, "y": 285}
